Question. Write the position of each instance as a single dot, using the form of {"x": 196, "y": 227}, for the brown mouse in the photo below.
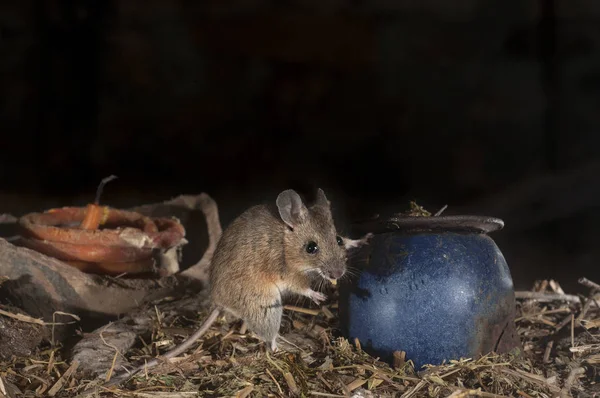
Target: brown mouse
{"x": 268, "y": 252}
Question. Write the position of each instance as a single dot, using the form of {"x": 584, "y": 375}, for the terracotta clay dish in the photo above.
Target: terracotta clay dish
{"x": 99, "y": 239}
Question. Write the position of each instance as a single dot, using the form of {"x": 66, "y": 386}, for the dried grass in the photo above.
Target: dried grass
{"x": 561, "y": 358}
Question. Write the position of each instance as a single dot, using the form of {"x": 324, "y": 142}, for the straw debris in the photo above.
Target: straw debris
{"x": 559, "y": 359}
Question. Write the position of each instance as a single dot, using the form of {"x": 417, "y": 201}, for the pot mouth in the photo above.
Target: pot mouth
{"x": 458, "y": 223}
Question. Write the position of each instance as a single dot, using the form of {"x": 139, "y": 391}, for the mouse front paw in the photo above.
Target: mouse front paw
{"x": 317, "y": 297}
{"x": 365, "y": 239}
{"x": 355, "y": 243}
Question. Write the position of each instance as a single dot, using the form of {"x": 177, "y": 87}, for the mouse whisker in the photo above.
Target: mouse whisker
{"x": 322, "y": 263}
{"x": 322, "y": 278}
{"x": 305, "y": 271}
{"x": 298, "y": 300}
{"x": 352, "y": 270}
{"x": 315, "y": 269}
{"x": 348, "y": 274}
{"x": 320, "y": 285}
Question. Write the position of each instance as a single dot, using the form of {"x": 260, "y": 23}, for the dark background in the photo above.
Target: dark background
{"x": 490, "y": 107}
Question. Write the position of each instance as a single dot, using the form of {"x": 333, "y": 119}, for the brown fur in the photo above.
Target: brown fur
{"x": 260, "y": 258}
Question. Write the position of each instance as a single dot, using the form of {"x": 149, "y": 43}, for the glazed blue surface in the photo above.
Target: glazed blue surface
{"x": 437, "y": 296}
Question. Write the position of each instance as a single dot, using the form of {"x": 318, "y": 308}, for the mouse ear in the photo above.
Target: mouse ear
{"x": 291, "y": 208}
{"x": 322, "y": 199}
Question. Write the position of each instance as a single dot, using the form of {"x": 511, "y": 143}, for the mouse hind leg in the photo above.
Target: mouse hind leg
{"x": 265, "y": 323}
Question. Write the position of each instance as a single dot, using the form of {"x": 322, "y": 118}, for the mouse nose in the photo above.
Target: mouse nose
{"x": 337, "y": 273}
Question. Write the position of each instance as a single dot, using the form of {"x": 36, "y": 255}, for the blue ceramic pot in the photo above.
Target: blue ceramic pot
{"x": 437, "y": 288}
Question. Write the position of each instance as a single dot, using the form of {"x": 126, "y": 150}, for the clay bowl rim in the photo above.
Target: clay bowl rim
{"x": 431, "y": 224}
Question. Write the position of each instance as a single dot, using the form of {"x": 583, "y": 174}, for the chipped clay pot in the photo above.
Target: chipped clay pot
{"x": 437, "y": 288}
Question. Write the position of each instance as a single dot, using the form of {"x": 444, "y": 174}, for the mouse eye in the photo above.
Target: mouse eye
{"x": 340, "y": 241}
{"x": 311, "y": 247}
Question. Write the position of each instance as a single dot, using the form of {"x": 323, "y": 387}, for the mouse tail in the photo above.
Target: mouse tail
{"x": 170, "y": 354}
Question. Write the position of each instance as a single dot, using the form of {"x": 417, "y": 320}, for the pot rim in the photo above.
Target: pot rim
{"x": 453, "y": 223}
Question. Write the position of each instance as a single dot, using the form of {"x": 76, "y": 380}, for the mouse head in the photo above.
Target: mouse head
{"x": 311, "y": 240}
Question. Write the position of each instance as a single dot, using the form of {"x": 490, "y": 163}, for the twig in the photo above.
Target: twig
{"x": 540, "y": 296}
{"x": 23, "y": 318}
{"x": 50, "y": 362}
{"x": 227, "y": 335}
{"x": 320, "y": 377}
{"x": 245, "y": 392}
{"x": 415, "y": 390}
{"x": 7, "y": 218}
{"x": 533, "y": 378}
{"x": 583, "y": 348}
{"x": 588, "y": 283}
{"x": 585, "y": 309}
{"x": 541, "y": 286}
{"x": 209, "y": 208}
{"x": 117, "y": 353}
{"x": 341, "y": 384}
{"x": 355, "y": 384}
{"x": 555, "y": 287}
{"x": 590, "y": 323}
{"x": 327, "y": 312}
{"x": 37, "y": 321}
{"x": 563, "y": 323}
{"x": 543, "y": 320}
{"x": 399, "y": 359}
{"x": 112, "y": 367}
{"x": 55, "y": 313}
{"x": 290, "y": 343}
{"x": 3, "y": 388}
{"x": 574, "y": 374}
{"x": 440, "y": 211}
{"x": 289, "y": 379}
{"x": 243, "y": 328}
{"x": 449, "y": 373}
{"x": 275, "y": 380}
{"x": 301, "y": 310}
{"x": 463, "y": 393}
{"x": 59, "y": 384}
{"x": 572, "y": 330}
{"x": 548, "y": 350}
{"x": 324, "y": 394}
{"x": 357, "y": 344}
{"x": 556, "y": 311}
{"x": 524, "y": 394}
{"x": 104, "y": 181}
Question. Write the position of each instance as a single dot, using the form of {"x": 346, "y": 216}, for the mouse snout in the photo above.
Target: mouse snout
{"x": 335, "y": 272}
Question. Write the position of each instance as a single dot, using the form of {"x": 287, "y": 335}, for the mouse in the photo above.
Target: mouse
{"x": 268, "y": 252}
